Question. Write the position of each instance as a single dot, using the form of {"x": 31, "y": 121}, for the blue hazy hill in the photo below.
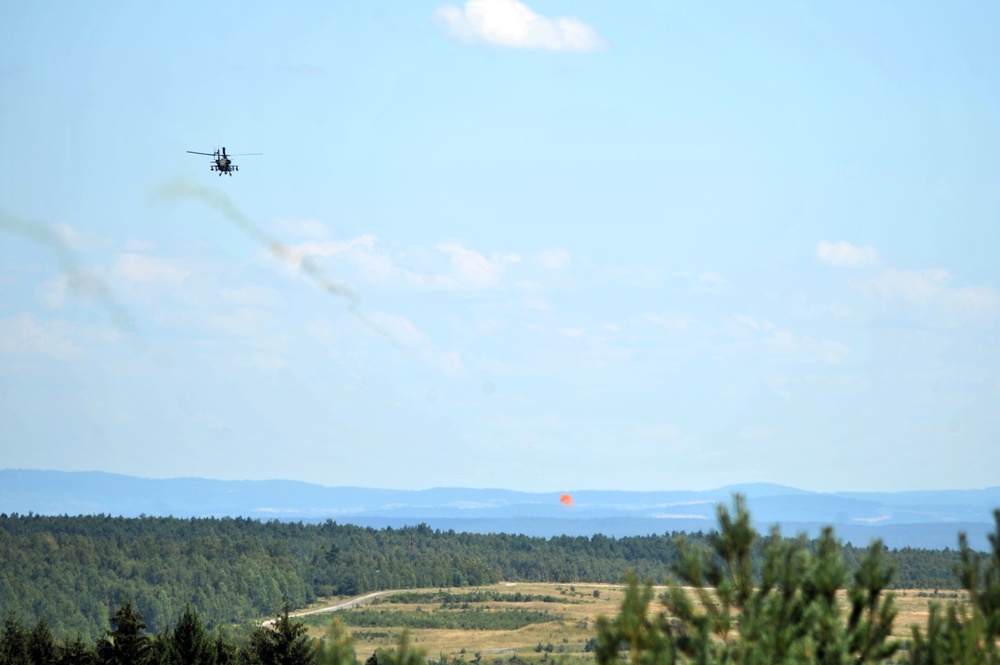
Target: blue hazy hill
{"x": 927, "y": 519}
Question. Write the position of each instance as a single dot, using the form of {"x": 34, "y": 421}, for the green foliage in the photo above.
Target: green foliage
{"x": 283, "y": 643}
{"x": 472, "y": 619}
{"x": 189, "y": 644}
{"x": 966, "y": 634}
{"x": 14, "y": 643}
{"x": 67, "y": 569}
{"x": 645, "y": 638}
{"x": 42, "y": 648}
{"x": 404, "y": 654}
{"x": 782, "y": 611}
{"x": 337, "y": 648}
{"x": 451, "y": 600}
{"x": 734, "y": 597}
{"x": 127, "y": 642}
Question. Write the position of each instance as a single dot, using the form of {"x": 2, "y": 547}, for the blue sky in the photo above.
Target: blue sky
{"x": 547, "y": 246}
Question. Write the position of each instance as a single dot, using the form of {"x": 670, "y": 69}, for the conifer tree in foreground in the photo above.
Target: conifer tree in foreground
{"x": 283, "y": 643}
{"x": 785, "y": 612}
{"x": 966, "y": 635}
{"x": 127, "y": 643}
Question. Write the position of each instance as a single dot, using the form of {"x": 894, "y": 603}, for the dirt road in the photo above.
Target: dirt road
{"x": 331, "y": 608}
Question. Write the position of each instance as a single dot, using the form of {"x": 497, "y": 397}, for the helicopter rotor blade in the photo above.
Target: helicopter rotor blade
{"x": 243, "y": 154}
{"x": 210, "y": 154}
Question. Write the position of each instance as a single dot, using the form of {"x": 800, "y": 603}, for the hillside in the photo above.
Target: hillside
{"x": 930, "y": 519}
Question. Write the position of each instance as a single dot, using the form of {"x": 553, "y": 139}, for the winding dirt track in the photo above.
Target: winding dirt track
{"x": 331, "y": 608}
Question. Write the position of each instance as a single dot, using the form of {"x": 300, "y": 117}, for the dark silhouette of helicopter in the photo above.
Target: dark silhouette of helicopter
{"x": 223, "y": 163}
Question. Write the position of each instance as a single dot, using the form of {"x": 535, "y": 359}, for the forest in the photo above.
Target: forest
{"x": 73, "y": 573}
{"x": 733, "y": 596}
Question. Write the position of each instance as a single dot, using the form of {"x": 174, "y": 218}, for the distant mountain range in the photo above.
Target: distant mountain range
{"x": 926, "y": 519}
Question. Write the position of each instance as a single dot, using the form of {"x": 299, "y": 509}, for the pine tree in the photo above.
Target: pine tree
{"x": 784, "y": 612}
{"x": 283, "y": 643}
{"x": 337, "y": 648}
{"x": 190, "y": 644}
{"x": 966, "y": 635}
{"x": 42, "y": 648}
{"x": 127, "y": 643}
{"x": 14, "y": 643}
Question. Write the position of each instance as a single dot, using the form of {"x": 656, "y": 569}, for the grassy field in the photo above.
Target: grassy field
{"x": 534, "y": 622}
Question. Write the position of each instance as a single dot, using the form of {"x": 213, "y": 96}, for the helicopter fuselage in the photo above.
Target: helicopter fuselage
{"x": 221, "y": 162}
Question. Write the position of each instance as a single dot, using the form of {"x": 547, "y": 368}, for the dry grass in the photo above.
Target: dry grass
{"x": 573, "y": 623}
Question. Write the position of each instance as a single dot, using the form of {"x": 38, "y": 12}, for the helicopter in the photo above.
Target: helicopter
{"x": 223, "y": 163}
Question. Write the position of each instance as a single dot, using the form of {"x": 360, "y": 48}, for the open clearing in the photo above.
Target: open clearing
{"x": 560, "y": 618}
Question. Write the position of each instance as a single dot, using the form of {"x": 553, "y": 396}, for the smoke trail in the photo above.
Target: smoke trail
{"x": 77, "y": 279}
{"x": 182, "y": 190}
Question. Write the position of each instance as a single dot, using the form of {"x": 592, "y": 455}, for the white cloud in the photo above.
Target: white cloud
{"x": 845, "y": 255}
{"x": 757, "y": 432}
{"x": 702, "y": 282}
{"x": 467, "y": 268}
{"x": 24, "y": 333}
{"x": 137, "y": 245}
{"x": 250, "y": 295}
{"x": 535, "y": 303}
{"x": 323, "y": 332}
{"x": 328, "y": 248}
{"x": 403, "y": 331}
{"x": 917, "y": 287}
{"x": 76, "y": 240}
{"x": 932, "y": 287}
{"x": 767, "y": 336}
{"x": 572, "y": 333}
{"x": 637, "y": 275}
{"x": 672, "y": 321}
{"x": 472, "y": 269}
{"x": 142, "y": 268}
{"x": 658, "y": 433}
{"x": 268, "y": 362}
{"x": 55, "y": 291}
{"x": 399, "y": 328}
{"x": 303, "y": 228}
{"x": 553, "y": 259}
{"x": 513, "y": 24}
{"x": 448, "y": 362}
{"x": 243, "y": 321}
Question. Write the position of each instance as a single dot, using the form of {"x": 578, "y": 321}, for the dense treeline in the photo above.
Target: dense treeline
{"x": 186, "y": 641}
{"x": 724, "y": 606}
{"x": 733, "y": 598}
{"x": 73, "y": 571}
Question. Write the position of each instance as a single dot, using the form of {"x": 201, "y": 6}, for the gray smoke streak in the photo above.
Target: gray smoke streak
{"x": 182, "y": 190}
{"x": 79, "y": 280}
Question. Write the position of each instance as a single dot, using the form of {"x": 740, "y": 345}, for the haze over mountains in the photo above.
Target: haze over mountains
{"x": 928, "y": 519}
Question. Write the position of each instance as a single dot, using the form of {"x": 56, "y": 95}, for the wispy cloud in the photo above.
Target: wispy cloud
{"x": 181, "y": 190}
{"x": 25, "y": 333}
{"x": 75, "y": 278}
{"x": 845, "y": 255}
{"x": 765, "y": 335}
{"x": 702, "y": 282}
{"x": 513, "y": 24}
{"x": 639, "y": 275}
{"x": 933, "y": 287}
{"x": 928, "y": 292}
{"x": 418, "y": 343}
{"x": 658, "y": 433}
{"x": 470, "y": 268}
{"x": 135, "y": 267}
{"x": 553, "y": 259}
